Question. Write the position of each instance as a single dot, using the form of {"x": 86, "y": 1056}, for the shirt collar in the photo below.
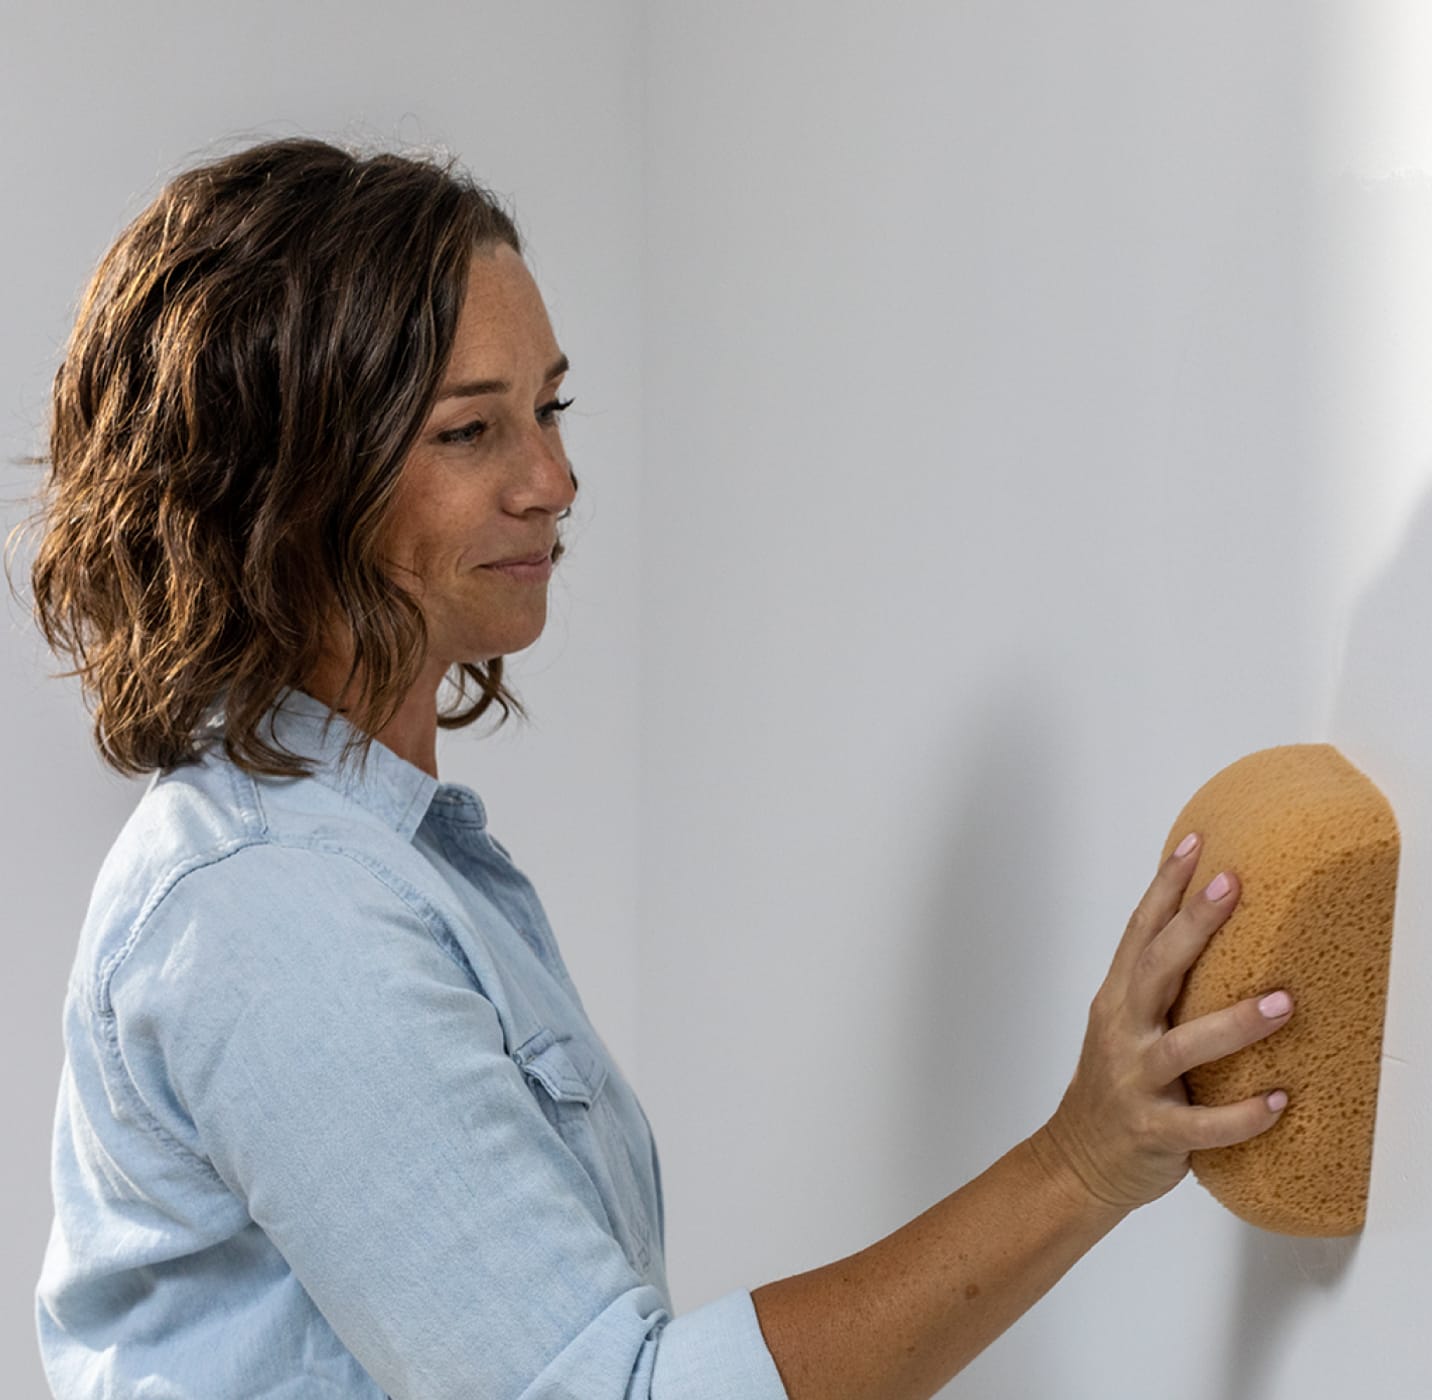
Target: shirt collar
{"x": 390, "y": 787}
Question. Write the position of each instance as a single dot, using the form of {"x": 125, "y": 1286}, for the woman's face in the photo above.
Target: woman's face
{"x": 488, "y": 475}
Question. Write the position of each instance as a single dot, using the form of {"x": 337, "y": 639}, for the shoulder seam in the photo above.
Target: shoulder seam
{"x": 432, "y": 918}
{"x": 103, "y": 1006}
{"x": 157, "y": 896}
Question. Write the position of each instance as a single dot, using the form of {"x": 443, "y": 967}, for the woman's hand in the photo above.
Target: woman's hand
{"x": 1125, "y": 1126}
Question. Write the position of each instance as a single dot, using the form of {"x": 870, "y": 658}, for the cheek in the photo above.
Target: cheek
{"x": 408, "y": 557}
{"x": 442, "y": 525}
{"x": 434, "y": 540}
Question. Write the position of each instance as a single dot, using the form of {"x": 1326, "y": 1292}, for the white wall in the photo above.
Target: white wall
{"x": 996, "y": 419}
{"x": 1036, "y": 402}
{"x": 543, "y": 104}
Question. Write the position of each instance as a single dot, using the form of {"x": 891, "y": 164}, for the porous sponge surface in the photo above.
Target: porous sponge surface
{"x": 1315, "y": 846}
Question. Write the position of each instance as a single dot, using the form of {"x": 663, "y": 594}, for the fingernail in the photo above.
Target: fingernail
{"x": 1187, "y": 844}
{"x": 1218, "y": 887}
{"x": 1277, "y": 1101}
{"x": 1276, "y": 1004}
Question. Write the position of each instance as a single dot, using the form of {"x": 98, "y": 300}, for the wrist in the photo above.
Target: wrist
{"x": 1059, "y": 1168}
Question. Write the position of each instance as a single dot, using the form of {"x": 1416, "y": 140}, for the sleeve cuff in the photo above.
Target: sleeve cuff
{"x": 716, "y": 1352}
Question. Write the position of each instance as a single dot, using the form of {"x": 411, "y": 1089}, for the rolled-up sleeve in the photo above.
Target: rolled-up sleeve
{"x": 291, "y": 1019}
{"x": 717, "y": 1350}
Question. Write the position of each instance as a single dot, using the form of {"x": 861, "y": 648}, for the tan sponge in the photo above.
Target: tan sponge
{"x": 1315, "y": 847}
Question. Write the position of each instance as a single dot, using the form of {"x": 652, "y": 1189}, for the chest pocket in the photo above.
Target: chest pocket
{"x": 571, "y": 1084}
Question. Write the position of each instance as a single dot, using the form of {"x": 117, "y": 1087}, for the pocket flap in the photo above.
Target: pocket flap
{"x": 565, "y": 1068}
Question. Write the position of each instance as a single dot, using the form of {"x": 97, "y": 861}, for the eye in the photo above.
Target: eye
{"x": 469, "y": 433}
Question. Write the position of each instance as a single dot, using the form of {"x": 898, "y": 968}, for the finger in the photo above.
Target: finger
{"x": 1199, "y": 1127}
{"x": 1211, "y": 1037}
{"x": 1159, "y": 904}
{"x": 1158, "y": 971}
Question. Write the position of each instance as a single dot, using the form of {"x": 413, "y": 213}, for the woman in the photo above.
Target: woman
{"x": 333, "y": 1120}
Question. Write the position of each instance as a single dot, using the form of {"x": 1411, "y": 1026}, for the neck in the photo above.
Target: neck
{"x": 412, "y": 731}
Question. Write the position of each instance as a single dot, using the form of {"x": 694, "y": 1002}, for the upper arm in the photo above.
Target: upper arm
{"x": 349, "y": 1082}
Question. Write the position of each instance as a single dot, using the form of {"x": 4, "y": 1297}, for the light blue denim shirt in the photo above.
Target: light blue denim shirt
{"x": 333, "y": 1121}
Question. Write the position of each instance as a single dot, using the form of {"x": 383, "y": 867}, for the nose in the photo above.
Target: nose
{"x": 541, "y": 479}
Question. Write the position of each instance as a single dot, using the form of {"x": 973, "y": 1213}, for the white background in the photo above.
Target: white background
{"x": 992, "y": 421}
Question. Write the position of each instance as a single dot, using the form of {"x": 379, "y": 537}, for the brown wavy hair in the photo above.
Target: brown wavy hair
{"x": 250, "y": 364}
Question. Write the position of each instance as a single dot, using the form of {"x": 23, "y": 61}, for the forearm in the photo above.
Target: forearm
{"x": 898, "y": 1319}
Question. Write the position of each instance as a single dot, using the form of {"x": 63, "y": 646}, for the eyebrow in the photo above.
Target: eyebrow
{"x": 474, "y": 387}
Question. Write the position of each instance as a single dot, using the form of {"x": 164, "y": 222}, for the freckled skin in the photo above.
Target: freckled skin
{"x": 460, "y": 505}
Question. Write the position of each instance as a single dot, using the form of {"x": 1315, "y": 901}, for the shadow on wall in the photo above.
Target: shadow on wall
{"x": 983, "y": 921}
{"x": 1379, "y": 722}
{"x": 963, "y": 967}
{"x": 981, "y": 1078}
{"x": 1285, "y": 1284}
{"x": 1278, "y": 1276}
{"x": 1300, "y": 1310}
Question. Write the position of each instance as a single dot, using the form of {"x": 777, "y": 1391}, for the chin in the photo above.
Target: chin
{"x": 508, "y": 645}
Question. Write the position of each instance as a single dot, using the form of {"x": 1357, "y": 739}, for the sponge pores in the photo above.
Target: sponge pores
{"x": 1315, "y": 847}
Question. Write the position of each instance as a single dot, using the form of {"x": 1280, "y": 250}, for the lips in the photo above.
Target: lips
{"x": 522, "y": 559}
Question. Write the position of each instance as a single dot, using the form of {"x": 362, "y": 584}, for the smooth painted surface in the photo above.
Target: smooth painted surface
{"x": 1037, "y": 422}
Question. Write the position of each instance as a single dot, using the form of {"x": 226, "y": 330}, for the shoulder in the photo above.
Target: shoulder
{"x": 185, "y": 822}
{"x": 264, "y": 912}
{"x": 208, "y": 882}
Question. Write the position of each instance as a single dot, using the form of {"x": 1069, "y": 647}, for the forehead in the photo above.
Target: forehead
{"x": 502, "y": 311}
